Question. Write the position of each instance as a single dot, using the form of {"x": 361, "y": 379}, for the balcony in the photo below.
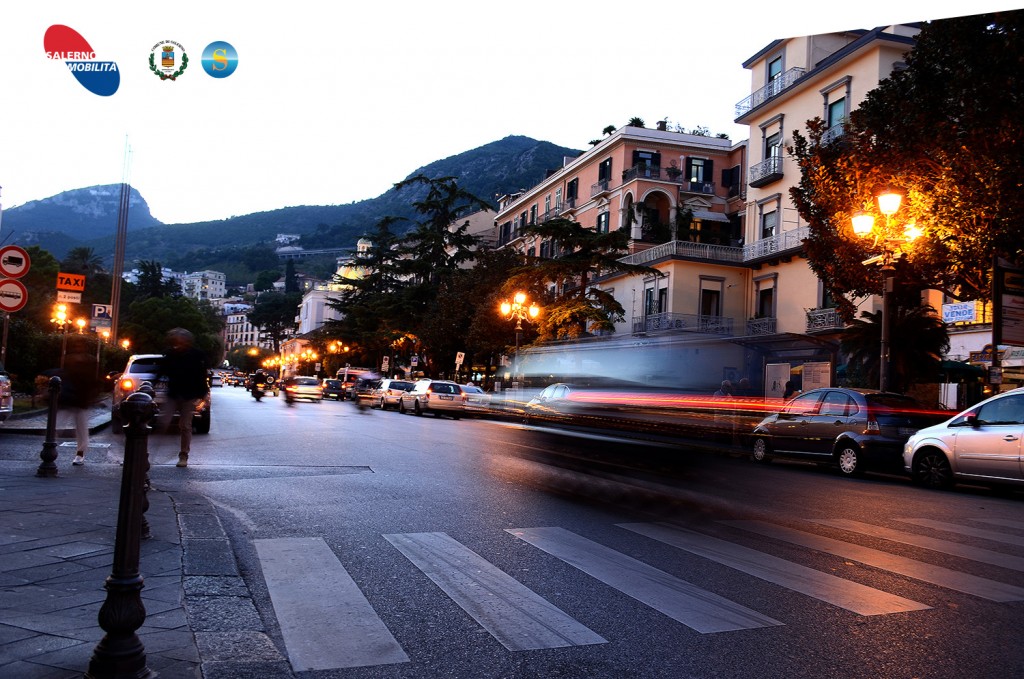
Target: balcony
{"x": 602, "y": 186}
{"x": 641, "y": 172}
{"x": 761, "y": 326}
{"x": 780, "y": 84}
{"x": 774, "y": 245}
{"x": 688, "y": 249}
{"x": 674, "y": 323}
{"x": 832, "y": 134}
{"x": 568, "y": 205}
{"x": 704, "y": 188}
{"x": 548, "y": 215}
{"x": 767, "y": 171}
{"x": 823, "y": 320}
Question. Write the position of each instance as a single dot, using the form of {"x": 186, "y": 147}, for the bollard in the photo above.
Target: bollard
{"x": 48, "y": 466}
{"x": 120, "y": 654}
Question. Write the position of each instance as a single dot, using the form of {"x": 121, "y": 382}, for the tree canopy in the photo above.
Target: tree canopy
{"x": 945, "y": 132}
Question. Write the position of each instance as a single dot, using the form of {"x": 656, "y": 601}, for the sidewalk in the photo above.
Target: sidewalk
{"x": 56, "y": 551}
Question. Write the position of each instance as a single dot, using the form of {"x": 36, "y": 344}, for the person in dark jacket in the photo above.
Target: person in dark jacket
{"x": 79, "y": 387}
{"x": 184, "y": 368}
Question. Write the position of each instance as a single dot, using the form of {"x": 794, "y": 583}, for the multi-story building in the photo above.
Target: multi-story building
{"x": 734, "y": 292}
{"x": 204, "y": 285}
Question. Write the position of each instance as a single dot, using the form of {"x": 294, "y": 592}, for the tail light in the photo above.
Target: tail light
{"x": 127, "y": 384}
{"x": 872, "y": 424}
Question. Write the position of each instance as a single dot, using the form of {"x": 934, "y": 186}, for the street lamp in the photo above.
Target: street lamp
{"x": 61, "y": 320}
{"x": 519, "y": 310}
{"x": 891, "y": 245}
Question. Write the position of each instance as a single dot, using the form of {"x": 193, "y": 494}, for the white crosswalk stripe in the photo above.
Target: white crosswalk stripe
{"x": 314, "y": 597}
{"x": 934, "y": 544}
{"x": 846, "y": 594}
{"x": 995, "y": 536}
{"x": 919, "y": 570}
{"x": 697, "y": 608}
{"x": 515, "y": 615}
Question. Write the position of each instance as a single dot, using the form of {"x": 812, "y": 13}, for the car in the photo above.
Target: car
{"x": 216, "y": 380}
{"x": 388, "y": 391}
{"x": 853, "y": 429}
{"x": 477, "y": 399}
{"x": 303, "y": 388}
{"x": 349, "y": 376}
{"x": 145, "y": 368}
{"x": 363, "y": 389}
{"x": 433, "y": 396}
{"x": 6, "y": 395}
{"x": 332, "y": 389}
{"x": 979, "y": 445}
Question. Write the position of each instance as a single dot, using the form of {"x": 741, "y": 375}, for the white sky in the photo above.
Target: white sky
{"x": 333, "y": 102}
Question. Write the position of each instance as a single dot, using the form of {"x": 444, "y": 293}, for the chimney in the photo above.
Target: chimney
{"x": 663, "y": 125}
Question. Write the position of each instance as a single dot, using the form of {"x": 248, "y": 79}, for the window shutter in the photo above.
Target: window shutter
{"x": 636, "y": 157}
{"x": 656, "y": 160}
{"x": 709, "y": 170}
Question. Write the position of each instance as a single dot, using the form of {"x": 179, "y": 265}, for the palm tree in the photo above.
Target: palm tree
{"x": 918, "y": 341}
{"x": 82, "y": 260}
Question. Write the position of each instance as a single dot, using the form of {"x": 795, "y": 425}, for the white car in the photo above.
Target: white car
{"x": 433, "y": 396}
{"x": 980, "y": 445}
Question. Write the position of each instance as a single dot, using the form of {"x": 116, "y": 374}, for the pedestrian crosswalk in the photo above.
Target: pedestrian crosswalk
{"x": 312, "y": 592}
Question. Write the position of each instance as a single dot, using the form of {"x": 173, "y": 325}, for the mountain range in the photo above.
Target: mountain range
{"x": 88, "y": 217}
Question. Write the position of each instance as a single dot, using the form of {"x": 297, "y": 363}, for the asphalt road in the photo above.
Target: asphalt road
{"x": 384, "y": 545}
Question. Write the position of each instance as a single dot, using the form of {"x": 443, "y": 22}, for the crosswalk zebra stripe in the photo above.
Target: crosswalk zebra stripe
{"x": 325, "y": 620}
{"x": 995, "y": 536}
{"x": 935, "y": 544}
{"x": 682, "y": 601}
{"x": 513, "y": 614}
{"x": 918, "y": 570}
{"x": 852, "y": 596}
{"x": 1019, "y": 525}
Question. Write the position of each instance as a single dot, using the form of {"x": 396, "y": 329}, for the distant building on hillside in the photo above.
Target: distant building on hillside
{"x": 204, "y": 285}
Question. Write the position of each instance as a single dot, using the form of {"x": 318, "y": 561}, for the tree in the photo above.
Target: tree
{"x": 147, "y": 321}
{"x": 152, "y": 283}
{"x": 291, "y": 279}
{"x": 265, "y": 280}
{"x": 274, "y": 314}
{"x": 582, "y": 254}
{"x": 945, "y": 131}
{"x": 918, "y": 342}
{"x": 82, "y": 260}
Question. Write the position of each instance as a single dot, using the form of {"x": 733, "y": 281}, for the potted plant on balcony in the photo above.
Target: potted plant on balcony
{"x": 673, "y": 171}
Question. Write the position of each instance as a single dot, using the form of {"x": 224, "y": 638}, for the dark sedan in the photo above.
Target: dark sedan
{"x": 852, "y": 429}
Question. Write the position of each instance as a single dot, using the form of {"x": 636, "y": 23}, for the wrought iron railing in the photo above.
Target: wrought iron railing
{"x": 641, "y": 172}
{"x": 831, "y": 134}
{"x": 599, "y": 188}
{"x": 566, "y": 205}
{"x": 761, "y": 326}
{"x": 766, "y": 169}
{"x": 684, "y": 248}
{"x": 699, "y": 187}
{"x": 773, "y": 88}
{"x": 670, "y": 322}
{"x": 780, "y": 242}
{"x": 824, "y": 319}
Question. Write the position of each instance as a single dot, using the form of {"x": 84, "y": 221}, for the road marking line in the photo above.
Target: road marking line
{"x": 325, "y": 620}
{"x": 1019, "y": 525}
{"x": 918, "y": 570}
{"x": 995, "y": 536}
{"x": 680, "y": 600}
{"x": 846, "y": 594}
{"x": 514, "y": 615}
{"x": 960, "y": 549}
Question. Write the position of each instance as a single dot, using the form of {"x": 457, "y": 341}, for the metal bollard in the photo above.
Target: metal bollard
{"x": 48, "y": 455}
{"x": 120, "y": 654}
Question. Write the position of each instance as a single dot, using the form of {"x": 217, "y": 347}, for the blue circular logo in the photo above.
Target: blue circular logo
{"x": 219, "y": 59}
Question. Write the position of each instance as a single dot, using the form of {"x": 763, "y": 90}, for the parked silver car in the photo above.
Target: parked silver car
{"x": 388, "y": 392}
{"x": 434, "y": 396}
{"x": 980, "y": 445}
{"x": 145, "y": 368}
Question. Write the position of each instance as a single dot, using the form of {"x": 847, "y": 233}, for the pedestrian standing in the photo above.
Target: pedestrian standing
{"x": 78, "y": 390}
{"x": 184, "y": 368}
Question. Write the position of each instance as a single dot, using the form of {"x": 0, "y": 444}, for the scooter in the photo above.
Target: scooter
{"x": 259, "y": 388}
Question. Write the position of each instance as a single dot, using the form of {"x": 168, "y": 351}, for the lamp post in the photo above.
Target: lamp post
{"x": 891, "y": 245}
{"x": 517, "y": 309}
{"x": 61, "y": 320}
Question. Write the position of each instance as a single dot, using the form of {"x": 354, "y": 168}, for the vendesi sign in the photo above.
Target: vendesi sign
{"x": 960, "y": 312}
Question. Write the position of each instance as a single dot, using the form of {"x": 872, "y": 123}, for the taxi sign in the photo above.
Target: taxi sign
{"x": 70, "y": 281}
{"x": 13, "y": 295}
{"x": 14, "y": 261}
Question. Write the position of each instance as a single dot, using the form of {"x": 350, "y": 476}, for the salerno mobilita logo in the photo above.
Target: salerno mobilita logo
{"x": 63, "y": 43}
{"x": 168, "y": 60}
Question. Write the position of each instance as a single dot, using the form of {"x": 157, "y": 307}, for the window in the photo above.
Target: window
{"x": 774, "y": 75}
{"x": 769, "y": 223}
{"x": 699, "y": 170}
{"x": 648, "y": 160}
{"x": 766, "y": 303}
{"x": 837, "y": 404}
{"x": 604, "y": 170}
{"x": 773, "y": 145}
{"x": 522, "y": 220}
{"x": 603, "y": 220}
{"x": 1006, "y": 410}
{"x": 547, "y": 204}
{"x": 836, "y": 112}
{"x": 558, "y": 199}
{"x": 710, "y": 302}
{"x": 572, "y": 189}
{"x": 533, "y": 214}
